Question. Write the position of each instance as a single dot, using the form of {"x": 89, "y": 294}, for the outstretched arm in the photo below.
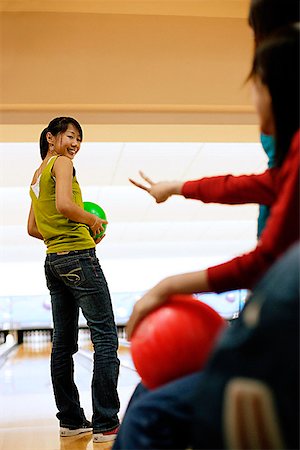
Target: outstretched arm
{"x": 160, "y": 191}
{"x": 234, "y": 189}
{"x": 224, "y": 189}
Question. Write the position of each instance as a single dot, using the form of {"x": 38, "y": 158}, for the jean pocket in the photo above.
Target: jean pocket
{"x": 70, "y": 272}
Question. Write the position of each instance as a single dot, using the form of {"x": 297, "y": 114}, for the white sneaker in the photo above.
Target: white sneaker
{"x": 86, "y": 427}
{"x": 106, "y": 436}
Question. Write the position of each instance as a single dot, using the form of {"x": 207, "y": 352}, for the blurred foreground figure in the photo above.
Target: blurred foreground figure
{"x": 257, "y": 358}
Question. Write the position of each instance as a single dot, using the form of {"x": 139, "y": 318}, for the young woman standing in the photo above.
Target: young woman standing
{"x": 75, "y": 280}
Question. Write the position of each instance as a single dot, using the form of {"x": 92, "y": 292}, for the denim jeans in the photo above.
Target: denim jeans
{"x": 262, "y": 344}
{"x": 75, "y": 280}
{"x": 160, "y": 418}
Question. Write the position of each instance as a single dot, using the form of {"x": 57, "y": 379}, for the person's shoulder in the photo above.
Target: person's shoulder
{"x": 63, "y": 161}
{"x": 63, "y": 158}
{"x": 63, "y": 165}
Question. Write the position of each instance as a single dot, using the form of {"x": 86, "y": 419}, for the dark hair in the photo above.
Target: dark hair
{"x": 276, "y": 63}
{"x": 266, "y": 16}
{"x": 56, "y": 126}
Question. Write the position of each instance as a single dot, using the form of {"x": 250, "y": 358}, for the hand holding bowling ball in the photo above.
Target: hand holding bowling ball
{"x": 93, "y": 208}
{"x": 174, "y": 340}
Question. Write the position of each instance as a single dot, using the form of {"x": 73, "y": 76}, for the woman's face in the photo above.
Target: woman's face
{"x": 67, "y": 143}
{"x": 263, "y": 104}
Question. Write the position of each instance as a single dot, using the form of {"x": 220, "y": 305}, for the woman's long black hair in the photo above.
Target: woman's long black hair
{"x": 276, "y": 63}
{"x": 266, "y": 16}
{"x": 56, "y": 126}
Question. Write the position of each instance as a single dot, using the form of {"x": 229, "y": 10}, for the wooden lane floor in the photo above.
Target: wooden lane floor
{"x": 27, "y": 408}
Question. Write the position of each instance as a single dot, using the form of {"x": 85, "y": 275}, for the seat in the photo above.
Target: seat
{"x": 249, "y": 417}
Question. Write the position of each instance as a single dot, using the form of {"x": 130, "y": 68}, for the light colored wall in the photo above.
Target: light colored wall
{"x": 89, "y": 59}
{"x": 128, "y": 69}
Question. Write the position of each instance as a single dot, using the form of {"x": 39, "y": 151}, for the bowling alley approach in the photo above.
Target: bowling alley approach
{"x": 27, "y": 405}
{"x": 149, "y": 232}
{"x": 28, "y": 408}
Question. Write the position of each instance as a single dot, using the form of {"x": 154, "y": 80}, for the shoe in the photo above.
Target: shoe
{"x": 73, "y": 430}
{"x": 106, "y": 436}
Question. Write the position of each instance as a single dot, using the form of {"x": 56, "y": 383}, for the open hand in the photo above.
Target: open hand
{"x": 160, "y": 191}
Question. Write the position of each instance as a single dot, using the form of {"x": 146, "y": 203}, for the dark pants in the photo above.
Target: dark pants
{"x": 75, "y": 280}
{"x": 262, "y": 344}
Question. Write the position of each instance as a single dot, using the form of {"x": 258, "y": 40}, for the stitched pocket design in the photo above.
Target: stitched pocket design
{"x": 71, "y": 272}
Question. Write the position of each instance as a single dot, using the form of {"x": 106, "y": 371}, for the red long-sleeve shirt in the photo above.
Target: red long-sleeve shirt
{"x": 277, "y": 188}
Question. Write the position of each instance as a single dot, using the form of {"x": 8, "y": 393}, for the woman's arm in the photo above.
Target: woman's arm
{"x": 32, "y": 227}
{"x": 63, "y": 172}
{"x": 234, "y": 190}
{"x": 186, "y": 283}
{"x": 224, "y": 189}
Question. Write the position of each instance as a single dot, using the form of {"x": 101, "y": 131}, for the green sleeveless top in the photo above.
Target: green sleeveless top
{"x": 60, "y": 234}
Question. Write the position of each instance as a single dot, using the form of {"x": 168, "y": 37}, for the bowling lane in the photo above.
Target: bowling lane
{"x": 27, "y": 408}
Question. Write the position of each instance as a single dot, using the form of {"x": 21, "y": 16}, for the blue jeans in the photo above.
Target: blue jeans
{"x": 262, "y": 344}
{"x": 161, "y": 418}
{"x": 75, "y": 280}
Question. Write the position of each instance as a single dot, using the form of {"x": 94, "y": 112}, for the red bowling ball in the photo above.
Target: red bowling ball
{"x": 174, "y": 340}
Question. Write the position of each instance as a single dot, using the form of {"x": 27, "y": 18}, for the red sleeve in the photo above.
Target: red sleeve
{"x": 234, "y": 190}
{"x": 282, "y": 229}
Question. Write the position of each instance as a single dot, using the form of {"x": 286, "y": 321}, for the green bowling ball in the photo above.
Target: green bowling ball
{"x": 93, "y": 208}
